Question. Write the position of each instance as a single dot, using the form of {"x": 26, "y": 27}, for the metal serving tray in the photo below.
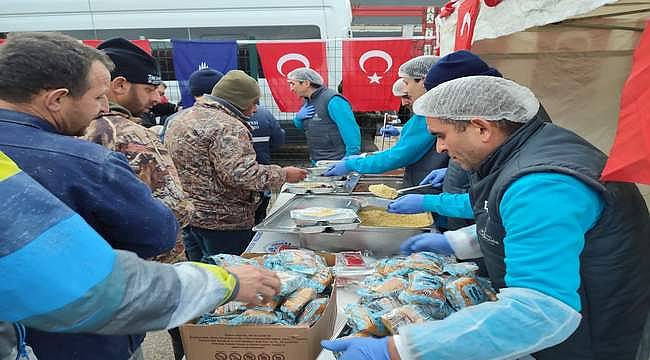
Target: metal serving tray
{"x": 382, "y": 241}
{"x": 361, "y": 186}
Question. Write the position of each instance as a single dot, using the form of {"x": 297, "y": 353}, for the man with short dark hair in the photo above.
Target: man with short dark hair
{"x": 133, "y": 90}
{"x": 567, "y": 252}
{"x": 326, "y": 117}
{"x": 51, "y": 87}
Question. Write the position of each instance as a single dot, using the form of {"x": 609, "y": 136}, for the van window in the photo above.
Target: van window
{"x": 205, "y": 33}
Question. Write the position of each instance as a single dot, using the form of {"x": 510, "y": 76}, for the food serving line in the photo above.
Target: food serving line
{"x": 331, "y": 214}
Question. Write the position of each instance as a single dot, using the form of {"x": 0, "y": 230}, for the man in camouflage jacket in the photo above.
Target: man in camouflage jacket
{"x": 133, "y": 91}
{"x": 212, "y": 147}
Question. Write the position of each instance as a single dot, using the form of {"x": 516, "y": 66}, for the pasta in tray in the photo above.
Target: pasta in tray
{"x": 375, "y": 216}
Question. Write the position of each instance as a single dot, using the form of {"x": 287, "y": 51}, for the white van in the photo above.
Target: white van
{"x": 195, "y": 19}
{"x": 243, "y": 20}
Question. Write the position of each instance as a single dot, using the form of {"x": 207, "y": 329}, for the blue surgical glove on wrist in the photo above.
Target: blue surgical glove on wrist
{"x": 305, "y": 112}
{"x": 435, "y": 177}
{"x": 338, "y": 169}
{"x": 407, "y": 204}
{"x": 389, "y": 130}
{"x": 432, "y": 242}
{"x": 359, "y": 348}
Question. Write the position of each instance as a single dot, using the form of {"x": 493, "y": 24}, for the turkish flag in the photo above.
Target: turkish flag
{"x": 629, "y": 159}
{"x": 280, "y": 58}
{"x": 142, "y": 44}
{"x": 370, "y": 69}
{"x": 467, "y": 14}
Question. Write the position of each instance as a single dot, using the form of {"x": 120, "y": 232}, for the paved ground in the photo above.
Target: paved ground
{"x": 157, "y": 346}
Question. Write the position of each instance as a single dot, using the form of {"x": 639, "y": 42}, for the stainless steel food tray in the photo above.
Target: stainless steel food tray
{"x": 382, "y": 241}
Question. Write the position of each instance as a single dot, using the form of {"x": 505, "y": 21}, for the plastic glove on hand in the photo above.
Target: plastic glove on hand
{"x": 432, "y": 242}
{"x": 389, "y": 130}
{"x": 306, "y": 112}
{"x": 435, "y": 177}
{"x": 407, "y": 204}
{"x": 338, "y": 169}
{"x": 359, "y": 348}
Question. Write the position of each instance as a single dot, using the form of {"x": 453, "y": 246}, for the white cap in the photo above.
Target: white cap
{"x": 305, "y": 74}
{"x": 418, "y": 67}
{"x": 485, "y": 97}
{"x": 399, "y": 88}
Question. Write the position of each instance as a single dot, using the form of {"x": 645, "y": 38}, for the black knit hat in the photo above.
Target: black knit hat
{"x": 131, "y": 62}
{"x": 202, "y": 81}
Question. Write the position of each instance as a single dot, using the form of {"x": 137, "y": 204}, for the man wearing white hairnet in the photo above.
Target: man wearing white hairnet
{"x": 567, "y": 252}
{"x": 416, "y": 149}
{"x": 326, "y": 117}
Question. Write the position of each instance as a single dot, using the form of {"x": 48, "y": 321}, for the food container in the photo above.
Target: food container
{"x": 326, "y": 163}
{"x": 317, "y": 171}
{"x": 318, "y": 228}
{"x": 323, "y": 215}
{"x": 361, "y": 187}
{"x": 381, "y": 241}
{"x": 310, "y": 187}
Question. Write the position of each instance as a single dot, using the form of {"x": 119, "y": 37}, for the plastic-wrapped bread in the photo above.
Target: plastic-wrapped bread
{"x": 424, "y": 288}
{"x": 312, "y": 312}
{"x": 464, "y": 291}
{"x": 297, "y": 301}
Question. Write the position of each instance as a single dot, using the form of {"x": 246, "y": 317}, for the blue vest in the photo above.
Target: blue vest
{"x": 614, "y": 266}
{"x": 323, "y": 137}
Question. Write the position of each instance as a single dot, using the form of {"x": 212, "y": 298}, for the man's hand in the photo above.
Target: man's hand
{"x": 295, "y": 174}
{"x": 338, "y": 169}
{"x": 306, "y": 112}
{"x": 407, "y": 204}
{"x": 432, "y": 242}
{"x": 256, "y": 285}
{"x": 435, "y": 177}
{"x": 389, "y": 130}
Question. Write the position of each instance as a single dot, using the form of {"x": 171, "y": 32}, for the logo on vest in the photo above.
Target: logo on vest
{"x": 487, "y": 237}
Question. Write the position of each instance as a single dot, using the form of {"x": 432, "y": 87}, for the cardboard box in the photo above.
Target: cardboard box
{"x": 259, "y": 342}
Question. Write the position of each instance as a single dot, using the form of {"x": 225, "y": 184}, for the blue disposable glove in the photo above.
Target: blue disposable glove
{"x": 389, "y": 130}
{"x": 338, "y": 169}
{"x": 407, "y": 204}
{"x": 432, "y": 242}
{"x": 359, "y": 348}
{"x": 306, "y": 112}
{"x": 435, "y": 177}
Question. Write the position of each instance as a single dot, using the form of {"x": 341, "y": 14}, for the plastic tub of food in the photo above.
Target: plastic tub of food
{"x": 316, "y": 215}
{"x": 317, "y": 171}
{"x": 311, "y": 187}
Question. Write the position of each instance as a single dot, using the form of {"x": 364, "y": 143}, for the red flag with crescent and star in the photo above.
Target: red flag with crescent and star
{"x": 370, "y": 69}
{"x": 467, "y": 15}
{"x": 279, "y": 58}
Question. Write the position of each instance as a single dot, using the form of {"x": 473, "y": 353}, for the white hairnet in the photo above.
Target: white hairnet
{"x": 399, "y": 88}
{"x": 418, "y": 67}
{"x": 485, "y": 97}
{"x": 305, "y": 74}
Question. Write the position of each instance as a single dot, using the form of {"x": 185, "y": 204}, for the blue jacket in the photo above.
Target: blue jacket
{"x": 100, "y": 186}
{"x": 414, "y": 142}
{"x": 267, "y": 134}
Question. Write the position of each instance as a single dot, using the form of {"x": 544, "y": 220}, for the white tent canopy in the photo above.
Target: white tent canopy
{"x": 576, "y": 64}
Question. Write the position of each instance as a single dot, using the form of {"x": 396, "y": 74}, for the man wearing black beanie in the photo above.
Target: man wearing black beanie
{"x": 133, "y": 90}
